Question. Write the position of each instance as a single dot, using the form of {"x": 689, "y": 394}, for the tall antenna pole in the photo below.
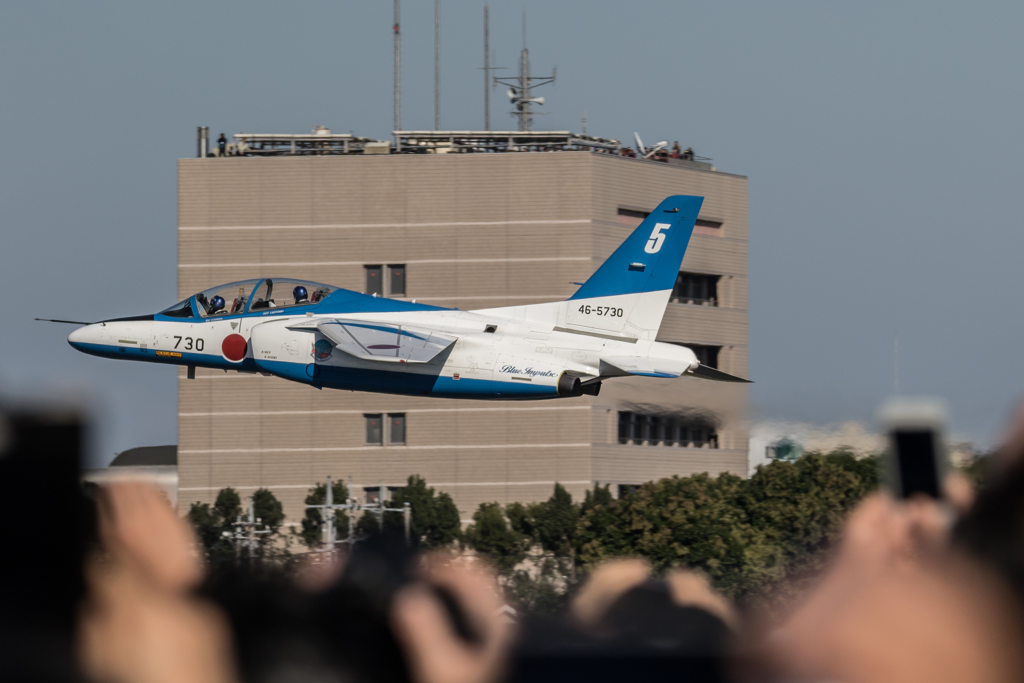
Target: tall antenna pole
{"x": 524, "y": 84}
{"x": 487, "y": 73}
{"x": 896, "y": 364}
{"x": 398, "y": 69}
{"x": 328, "y": 517}
{"x": 521, "y": 86}
{"x": 437, "y": 64}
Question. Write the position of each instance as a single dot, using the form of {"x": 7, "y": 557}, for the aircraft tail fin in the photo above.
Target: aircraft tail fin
{"x": 628, "y": 293}
{"x": 625, "y": 298}
{"x": 649, "y": 259}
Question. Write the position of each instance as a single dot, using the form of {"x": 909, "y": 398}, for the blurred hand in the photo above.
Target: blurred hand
{"x": 140, "y": 624}
{"x": 436, "y": 653}
{"x": 898, "y": 605}
{"x": 130, "y": 632}
{"x": 692, "y": 589}
{"x": 605, "y": 585}
{"x": 138, "y": 527}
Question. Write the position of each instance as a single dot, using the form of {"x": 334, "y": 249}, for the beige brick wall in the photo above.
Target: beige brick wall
{"x": 475, "y": 231}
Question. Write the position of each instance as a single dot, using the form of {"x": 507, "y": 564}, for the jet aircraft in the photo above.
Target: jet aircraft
{"x": 329, "y": 337}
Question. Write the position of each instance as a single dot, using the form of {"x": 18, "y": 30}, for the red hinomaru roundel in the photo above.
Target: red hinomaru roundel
{"x": 234, "y": 347}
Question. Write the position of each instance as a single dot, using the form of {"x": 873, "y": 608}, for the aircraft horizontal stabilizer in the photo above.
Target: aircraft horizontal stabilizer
{"x": 707, "y": 372}
{"x": 643, "y": 367}
{"x": 378, "y": 341}
{"x": 662, "y": 367}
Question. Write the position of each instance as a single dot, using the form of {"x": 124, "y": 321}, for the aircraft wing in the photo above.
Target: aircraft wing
{"x": 379, "y": 341}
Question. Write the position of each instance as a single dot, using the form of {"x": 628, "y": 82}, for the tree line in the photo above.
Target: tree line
{"x": 756, "y": 539}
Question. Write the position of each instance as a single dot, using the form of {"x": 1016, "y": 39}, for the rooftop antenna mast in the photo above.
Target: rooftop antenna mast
{"x": 437, "y": 64}
{"x": 398, "y": 69}
{"x": 487, "y": 69}
{"x": 519, "y": 90}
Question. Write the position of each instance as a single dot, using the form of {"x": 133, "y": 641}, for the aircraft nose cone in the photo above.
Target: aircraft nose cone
{"x": 83, "y": 336}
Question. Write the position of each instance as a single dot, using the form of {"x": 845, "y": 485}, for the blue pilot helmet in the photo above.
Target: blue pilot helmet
{"x": 216, "y": 303}
{"x": 300, "y": 294}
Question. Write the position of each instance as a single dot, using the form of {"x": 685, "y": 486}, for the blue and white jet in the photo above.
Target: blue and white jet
{"x": 328, "y": 337}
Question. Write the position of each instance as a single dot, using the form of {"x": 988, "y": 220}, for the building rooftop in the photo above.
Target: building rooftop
{"x": 147, "y": 456}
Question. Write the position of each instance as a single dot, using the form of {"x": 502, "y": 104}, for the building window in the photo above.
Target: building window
{"x": 626, "y": 490}
{"x": 631, "y": 218}
{"x": 374, "y": 280}
{"x": 374, "y": 429}
{"x": 707, "y": 227}
{"x": 695, "y": 288}
{"x": 703, "y": 226}
{"x": 393, "y": 278}
{"x": 396, "y": 280}
{"x": 638, "y": 429}
{"x": 627, "y": 427}
{"x": 396, "y": 429}
{"x": 372, "y": 494}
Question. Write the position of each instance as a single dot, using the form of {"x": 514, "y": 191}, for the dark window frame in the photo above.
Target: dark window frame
{"x": 369, "y": 270}
{"x": 700, "y": 289}
{"x": 707, "y": 223}
{"x": 626, "y": 490}
{"x": 400, "y": 270}
{"x": 402, "y": 426}
{"x": 638, "y": 429}
{"x": 369, "y": 427}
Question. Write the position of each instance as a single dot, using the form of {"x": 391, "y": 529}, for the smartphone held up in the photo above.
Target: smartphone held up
{"x": 917, "y": 458}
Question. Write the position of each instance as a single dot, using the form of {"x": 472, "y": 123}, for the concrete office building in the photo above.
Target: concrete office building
{"x": 466, "y": 231}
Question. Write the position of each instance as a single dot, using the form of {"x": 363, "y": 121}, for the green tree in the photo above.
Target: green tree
{"x": 799, "y": 506}
{"x": 268, "y": 510}
{"x": 753, "y": 537}
{"x": 491, "y": 535}
{"x": 312, "y": 533}
{"x": 434, "y": 519}
{"x": 228, "y": 505}
{"x": 692, "y": 521}
{"x": 598, "y": 496}
{"x": 211, "y": 522}
{"x": 555, "y": 522}
{"x": 546, "y": 530}
{"x": 368, "y": 524}
{"x": 207, "y": 524}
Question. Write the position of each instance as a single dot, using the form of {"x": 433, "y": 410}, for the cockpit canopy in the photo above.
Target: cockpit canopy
{"x": 248, "y": 296}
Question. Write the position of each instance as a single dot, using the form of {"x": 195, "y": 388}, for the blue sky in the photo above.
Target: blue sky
{"x": 881, "y": 141}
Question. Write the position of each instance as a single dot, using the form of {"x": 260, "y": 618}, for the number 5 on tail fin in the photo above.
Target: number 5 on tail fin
{"x": 638, "y": 277}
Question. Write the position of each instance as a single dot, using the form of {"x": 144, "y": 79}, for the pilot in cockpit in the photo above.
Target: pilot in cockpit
{"x": 301, "y": 295}
{"x": 210, "y": 306}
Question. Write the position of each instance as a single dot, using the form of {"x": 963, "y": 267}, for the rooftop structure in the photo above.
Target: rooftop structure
{"x": 322, "y": 142}
{"x": 463, "y": 141}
